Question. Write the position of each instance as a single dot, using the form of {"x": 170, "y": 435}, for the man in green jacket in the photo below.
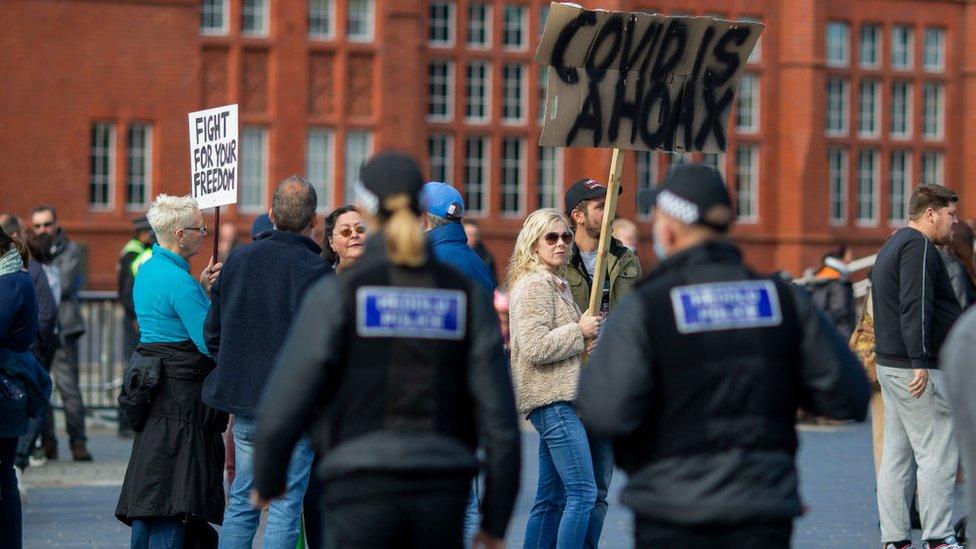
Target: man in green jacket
{"x": 584, "y": 207}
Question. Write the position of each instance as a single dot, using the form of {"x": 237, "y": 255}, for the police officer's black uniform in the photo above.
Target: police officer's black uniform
{"x": 698, "y": 377}
{"x": 396, "y": 366}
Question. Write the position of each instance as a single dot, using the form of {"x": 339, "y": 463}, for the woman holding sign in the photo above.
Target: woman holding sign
{"x": 548, "y": 336}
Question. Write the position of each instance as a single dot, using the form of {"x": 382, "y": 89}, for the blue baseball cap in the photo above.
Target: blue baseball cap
{"x": 442, "y": 200}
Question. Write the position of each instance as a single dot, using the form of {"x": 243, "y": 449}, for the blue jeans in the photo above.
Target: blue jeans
{"x": 601, "y": 451}
{"x": 566, "y": 492}
{"x": 285, "y": 514}
{"x": 157, "y": 534}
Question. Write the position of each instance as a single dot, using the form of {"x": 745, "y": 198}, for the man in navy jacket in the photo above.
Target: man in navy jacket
{"x": 444, "y": 209}
{"x": 252, "y": 307}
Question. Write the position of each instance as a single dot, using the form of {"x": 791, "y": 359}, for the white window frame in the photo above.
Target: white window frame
{"x": 370, "y": 21}
{"x": 351, "y": 169}
{"x": 873, "y": 113}
{"x": 752, "y": 195}
{"x": 934, "y": 111}
{"x": 146, "y": 158}
{"x": 524, "y": 31}
{"x": 259, "y": 180}
{"x": 106, "y": 153}
{"x": 716, "y": 161}
{"x": 937, "y": 159}
{"x": 541, "y": 23}
{"x": 519, "y": 186}
{"x": 486, "y": 22}
{"x": 876, "y": 33}
{"x": 485, "y": 96}
{"x": 329, "y": 15}
{"x": 906, "y": 186}
{"x": 225, "y": 19}
{"x": 647, "y": 177}
{"x": 940, "y": 35}
{"x": 542, "y": 92}
{"x": 838, "y": 183}
{"x": 909, "y": 119}
{"x": 549, "y": 171}
{"x": 519, "y": 89}
{"x": 451, "y": 24}
{"x": 484, "y": 167}
{"x": 446, "y": 161}
{"x": 874, "y": 187}
{"x": 265, "y": 18}
{"x": 448, "y": 84}
{"x": 320, "y": 164}
{"x": 751, "y": 101}
{"x": 837, "y": 54}
{"x": 899, "y": 31}
{"x": 845, "y": 115}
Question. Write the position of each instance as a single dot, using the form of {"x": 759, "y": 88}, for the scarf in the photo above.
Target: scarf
{"x": 11, "y": 262}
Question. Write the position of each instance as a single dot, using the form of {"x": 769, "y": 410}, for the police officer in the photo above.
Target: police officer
{"x": 698, "y": 376}
{"x": 396, "y": 364}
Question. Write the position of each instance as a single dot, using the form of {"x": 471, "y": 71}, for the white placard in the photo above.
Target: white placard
{"x": 214, "y": 152}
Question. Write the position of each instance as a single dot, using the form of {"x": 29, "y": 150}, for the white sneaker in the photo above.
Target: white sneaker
{"x": 21, "y": 485}
{"x": 948, "y": 543}
{"x": 37, "y": 461}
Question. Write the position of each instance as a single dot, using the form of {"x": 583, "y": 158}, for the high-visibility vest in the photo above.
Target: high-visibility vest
{"x": 140, "y": 259}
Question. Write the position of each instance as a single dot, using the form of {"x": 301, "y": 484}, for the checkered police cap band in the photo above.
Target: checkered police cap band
{"x": 677, "y": 207}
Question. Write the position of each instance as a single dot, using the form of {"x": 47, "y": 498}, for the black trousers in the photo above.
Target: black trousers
{"x": 413, "y": 520}
{"x": 756, "y": 535}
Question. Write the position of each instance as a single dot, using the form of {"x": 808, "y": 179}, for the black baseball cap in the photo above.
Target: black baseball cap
{"x": 141, "y": 224}
{"x": 585, "y": 189}
{"x": 388, "y": 174}
{"x": 692, "y": 194}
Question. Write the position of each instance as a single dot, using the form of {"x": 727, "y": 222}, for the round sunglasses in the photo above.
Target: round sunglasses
{"x": 553, "y": 237}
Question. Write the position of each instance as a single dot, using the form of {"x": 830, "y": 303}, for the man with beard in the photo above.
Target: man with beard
{"x": 584, "y": 207}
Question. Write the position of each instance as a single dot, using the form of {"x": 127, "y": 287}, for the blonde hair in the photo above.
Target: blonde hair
{"x": 169, "y": 213}
{"x": 404, "y": 237}
{"x": 525, "y": 259}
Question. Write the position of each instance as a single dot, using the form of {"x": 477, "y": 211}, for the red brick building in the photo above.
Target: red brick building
{"x": 844, "y": 107}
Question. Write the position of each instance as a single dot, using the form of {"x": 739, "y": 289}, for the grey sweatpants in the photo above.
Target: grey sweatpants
{"x": 916, "y": 430}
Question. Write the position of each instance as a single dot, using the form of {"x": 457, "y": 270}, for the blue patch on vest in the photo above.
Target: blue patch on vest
{"x": 726, "y": 306}
{"x": 426, "y": 313}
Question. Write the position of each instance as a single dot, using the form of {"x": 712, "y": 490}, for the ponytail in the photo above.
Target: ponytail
{"x": 405, "y": 243}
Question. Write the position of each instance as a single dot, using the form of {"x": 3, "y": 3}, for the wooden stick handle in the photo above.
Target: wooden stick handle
{"x": 216, "y": 233}
{"x": 606, "y": 230}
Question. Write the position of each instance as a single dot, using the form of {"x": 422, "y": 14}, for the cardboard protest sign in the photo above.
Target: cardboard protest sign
{"x": 641, "y": 81}
{"x": 213, "y": 156}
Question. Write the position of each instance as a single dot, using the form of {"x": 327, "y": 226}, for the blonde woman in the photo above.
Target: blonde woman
{"x": 548, "y": 337}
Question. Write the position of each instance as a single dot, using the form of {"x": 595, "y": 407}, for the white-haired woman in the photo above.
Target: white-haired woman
{"x": 548, "y": 337}
{"x": 173, "y": 484}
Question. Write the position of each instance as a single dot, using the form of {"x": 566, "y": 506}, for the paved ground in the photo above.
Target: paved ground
{"x": 71, "y": 505}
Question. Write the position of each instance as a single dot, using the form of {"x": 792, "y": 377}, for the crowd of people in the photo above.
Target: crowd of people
{"x": 366, "y": 388}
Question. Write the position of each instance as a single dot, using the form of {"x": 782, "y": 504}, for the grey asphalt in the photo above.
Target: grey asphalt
{"x": 65, "y": 509}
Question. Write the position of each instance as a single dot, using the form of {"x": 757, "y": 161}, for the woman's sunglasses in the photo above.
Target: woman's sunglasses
{"x": 346, "y": 232}
{"x": 552, "y": 238}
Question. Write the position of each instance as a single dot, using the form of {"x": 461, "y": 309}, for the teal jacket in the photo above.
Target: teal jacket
{"x": 171, "y": 306}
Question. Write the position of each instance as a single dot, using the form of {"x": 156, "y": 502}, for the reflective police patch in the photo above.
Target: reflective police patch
{"x": 726, "y": 306}
{"x": 426, "y": 313}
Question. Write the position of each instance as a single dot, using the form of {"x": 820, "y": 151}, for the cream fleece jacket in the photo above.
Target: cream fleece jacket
{"x": 547, "y": 342}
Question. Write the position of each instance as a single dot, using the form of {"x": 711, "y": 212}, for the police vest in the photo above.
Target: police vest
{"x": 406, "y": 354}
{"x": 726, "y": 346}
{"x": 140, "y": 259}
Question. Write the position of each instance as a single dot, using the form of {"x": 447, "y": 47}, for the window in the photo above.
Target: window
{"x": 867, "y": 186}
{"x": 747, "y": 113}
{"x": 549, "y": 165}
{"x": 838, "y": 44}
{"x": 479, "y": 25}
{"x": 513, "y": 108}
{"x": 441, "y": 24}
{"x": 476, "y": 174}
{"x": 513, "y": 174}
{"x": 321, "y": 18}
{"x": 477, "y": 89}
{"x": 933, "y": 55}
{"x": 837, "y": 106}
{"x": 514, "y": 20}
{"x": 138, "y": 169}
{"x": 319, "y": 155}
{"x": 359, "y": 20}
{"x": 902, "y": 47}
{"x": 901, "y": 110}
{"x": 647, "y": 162}
{"x": 869, "y": 52}
{"x": 440, "y": 150}
{"x": 254, "y": 17}
{"x": 898, "y": 185}
{"x": 747, "y": 183}
{"x": 213, "y": 16}
{"x": 716, "y": 161}
{"x": 869, "y": 108}
{"x": 933, "y": 110}
{"x": 543, "y": 16}
{"x": 359, "y": 143}
{"x": 756, "y": 54}
{"x": 837, "y": 177}
{"x": 101, "y": 181}
{"x": 254, "y": 168}
{"x": 440, "y": 92}
{"x": 933, "y": 168}
{"x": 542, "y": 88}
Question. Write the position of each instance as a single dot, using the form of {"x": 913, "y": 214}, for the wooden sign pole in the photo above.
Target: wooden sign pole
{"x": 216, "y": 233}
{"x": 606, "y": 230}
